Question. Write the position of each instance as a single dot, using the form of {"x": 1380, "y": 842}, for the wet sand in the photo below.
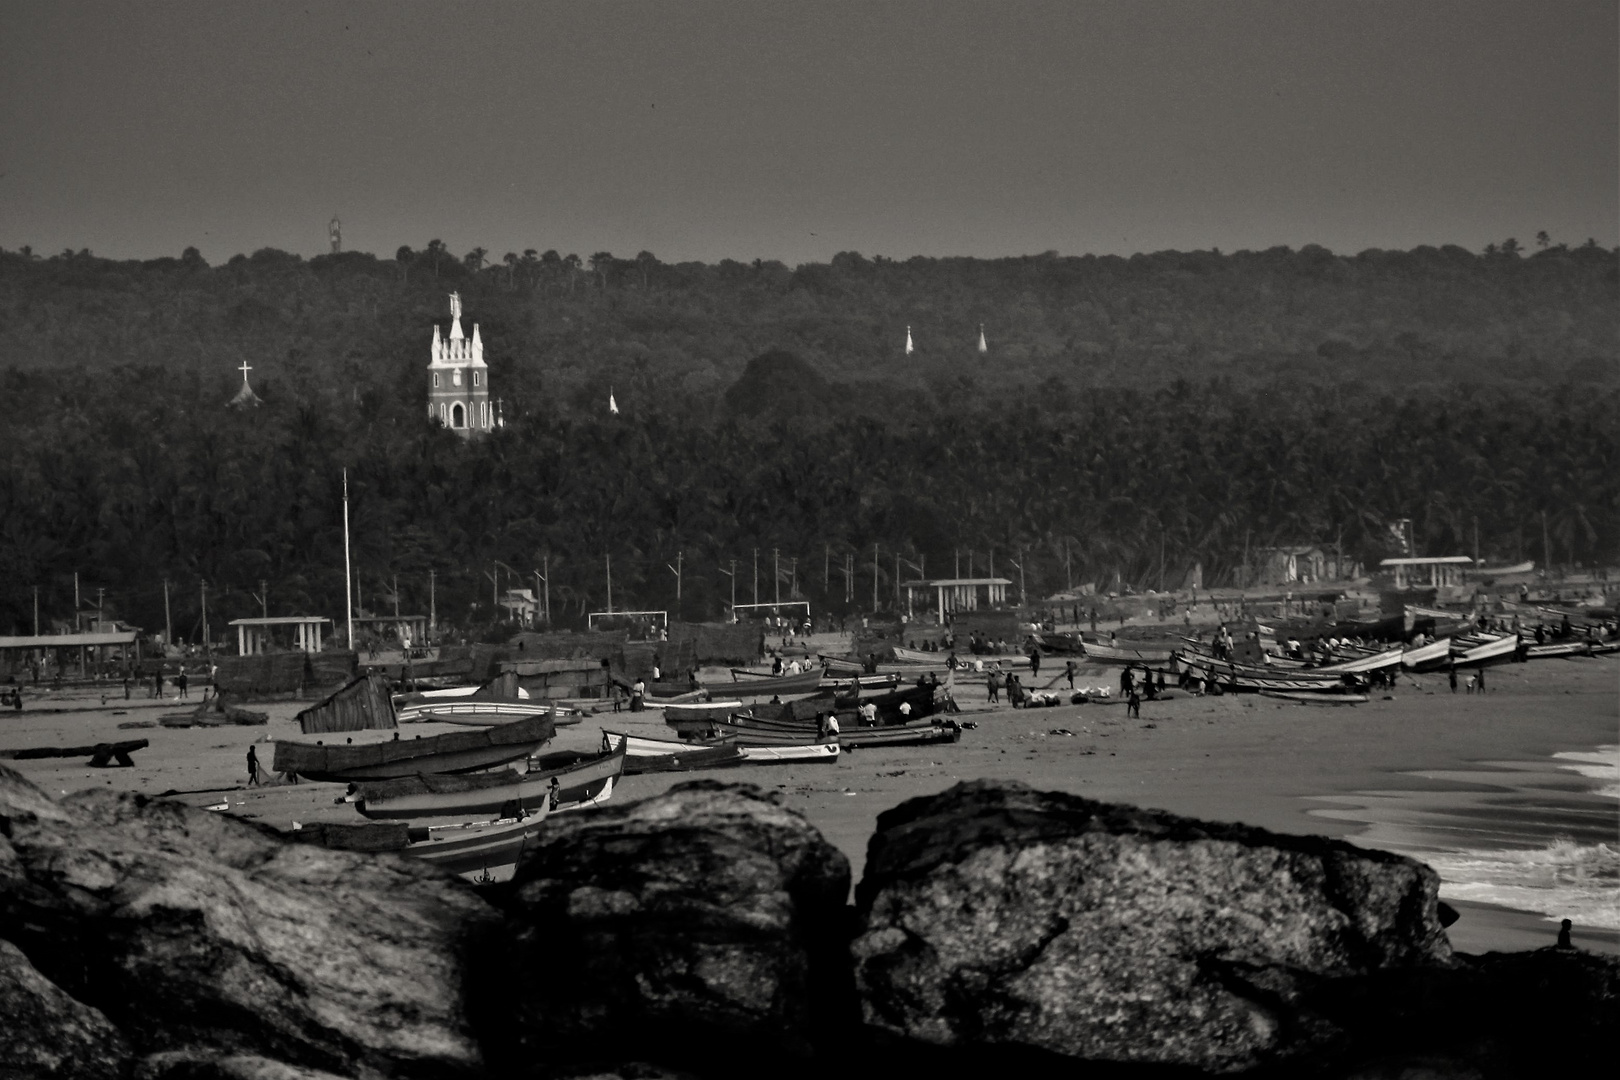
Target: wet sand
{"x": 1238, "y": 758}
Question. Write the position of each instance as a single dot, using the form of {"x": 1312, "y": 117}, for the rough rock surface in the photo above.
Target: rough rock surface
{"x": 195, "y": 1065}
{"x": 193, "y": 931}
{"x": 994, "y": 914}
{"x": 707, "y": 917}
{"x": 45, "y": 1033}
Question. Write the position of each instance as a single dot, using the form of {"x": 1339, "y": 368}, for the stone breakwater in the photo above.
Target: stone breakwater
{"x": 705, "y": 932}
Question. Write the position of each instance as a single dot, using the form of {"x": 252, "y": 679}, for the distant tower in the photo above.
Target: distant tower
{"x": 245, "y": 398}
{"x": 458, "y": 380}
{"x": 909, "y": 347}
{"x": 982, "y": 346}
{"x": 335, "y": 231}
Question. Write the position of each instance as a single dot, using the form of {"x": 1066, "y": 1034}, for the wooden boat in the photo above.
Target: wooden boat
{"x": 361, "y": 705}
{"x": 461, "y": 847}
{"x": 1484, "y": 652}
{"x": 452, "y": 752}
{"x": 867, "y": 683}
{"x": 840, "y": 665}
{"x": 790, "y": 755}
{"x": 708, "y": 710}
{"x": 654, "y": 751}
{"x": 899, "y": 735}
{"x": 751, "y": 735}
{"x": 917, "y": 656}
{"x": 1376, "y": 662}
{"x": 477, "y": 713}
{"x": 1119, "y": 654}
{"x": 1553, "y": 649}
{"x": 585, "y": 782}
{"x": 1316, "y": 699}
{"x": 1435, "y": 654}
{"x": 757, "y": 684}
{"x": 1248, "y": 680}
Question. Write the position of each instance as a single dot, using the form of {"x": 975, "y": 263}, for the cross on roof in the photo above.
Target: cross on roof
{"x": 244, "y": 369}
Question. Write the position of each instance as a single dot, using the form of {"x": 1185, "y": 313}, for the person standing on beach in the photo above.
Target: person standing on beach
{"x": 1453, "y": 674}
{"x": 1480, "y": 685}
{"x": 180, "y": 681}
{"x": 253, "y": 767}
{"x": 157, "y": 685}
{"x": 1070, "y": 670}
{"x": 993, "y": 682}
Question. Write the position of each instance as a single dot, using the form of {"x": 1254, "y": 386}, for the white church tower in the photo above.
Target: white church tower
{"x": 458, "y": 380}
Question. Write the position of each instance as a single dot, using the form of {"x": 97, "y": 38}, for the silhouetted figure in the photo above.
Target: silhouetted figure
{"x": 253, "y": 767}
{"x": 1563, "y": 935}
{"x": 1133, "y": 705}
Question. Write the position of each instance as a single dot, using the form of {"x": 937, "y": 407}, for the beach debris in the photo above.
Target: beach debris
{"x": 102, "y": 755}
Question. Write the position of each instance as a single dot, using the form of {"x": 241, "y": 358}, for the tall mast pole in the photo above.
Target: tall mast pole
{"x": 610, "y": 583}
{"x": 168, "y": 622}
{"x": 348, "y": 575}
{"x": 875, "y": 565}
{"x": 433, "y": 601}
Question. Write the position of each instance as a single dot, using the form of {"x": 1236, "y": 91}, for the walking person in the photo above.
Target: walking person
{"x": 1452, "y": 673}
{"x": 993, "y": 682}
{"x": 1070, "y": 670}
{"x": 180, "y": 681}
{"x": 253, "y": 767}
{"x": 1133, "y": 705}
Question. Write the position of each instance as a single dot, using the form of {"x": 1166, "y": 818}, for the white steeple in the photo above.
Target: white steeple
{"x": 438, "y": 345}
{"x": 477, "y": 346}
{"x": 909, "y": 347}
{"x": 982, "y": 346}
{"x": 455, "y": 317}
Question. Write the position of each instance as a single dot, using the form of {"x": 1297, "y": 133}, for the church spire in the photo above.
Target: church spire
{"x": 455, "y": 317}
{"x": 982, "y": 346}
{"x": 909, "y": 347}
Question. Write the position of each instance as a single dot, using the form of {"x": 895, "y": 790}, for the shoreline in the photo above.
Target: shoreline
{"x": 1234, "y": 758}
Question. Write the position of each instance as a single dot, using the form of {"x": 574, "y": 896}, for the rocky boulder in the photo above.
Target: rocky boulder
{"x": 702, "y": 925}
{"x": 192, "y": 931}
{"x": 46, "y": 1033}
{"x": 994, "y": 915}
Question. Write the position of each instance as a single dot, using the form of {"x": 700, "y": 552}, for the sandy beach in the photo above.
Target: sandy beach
{"x": 1287, "y": 767}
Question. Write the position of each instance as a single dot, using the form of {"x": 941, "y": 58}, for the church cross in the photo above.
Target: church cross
{"x": 244, "y": 369}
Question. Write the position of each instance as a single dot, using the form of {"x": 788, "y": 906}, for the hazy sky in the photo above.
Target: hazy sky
{"x": 796, "y": 130}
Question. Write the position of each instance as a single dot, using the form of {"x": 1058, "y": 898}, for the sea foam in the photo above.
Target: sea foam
{"x": 1564, "y": 880}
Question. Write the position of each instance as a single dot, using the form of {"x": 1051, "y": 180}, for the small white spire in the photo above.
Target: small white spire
{"x": 613, "y": 406}
{"x": 477, "y": 346}
{"x": 982, "y": 346}
{"x": 455, "y": 318}
{"x": 909, "y": 347}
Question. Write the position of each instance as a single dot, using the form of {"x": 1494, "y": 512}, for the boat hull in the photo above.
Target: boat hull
{"x": 452, "y": 752}
{"x": 424, "y": 797}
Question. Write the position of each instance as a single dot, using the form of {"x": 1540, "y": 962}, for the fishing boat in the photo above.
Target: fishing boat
{"x": 700, "y": 712}
{"x": 1558, "y": 648}
{"x": 867, "y": 682}
{"x": 584, "y": 783}
{"x": 649, "y": 755}
{"x": 1250, "y": 680}
{"x": 758, "y": 684}
{"x": 452, "y": 752}
{"x": 463, "y": 847}
{"x": 1470, "y": 651}
{"x": 917, "y": 656}
{"x": 751, "y": 734}
{"x": 1388, "y": 658}
{"x": 1316, "y": 699}
{"x": 1435, "y": 654}
{"x": 840, "y": 665}
{"x": 1119, "y": 654}
{"x": 469, "y": 713}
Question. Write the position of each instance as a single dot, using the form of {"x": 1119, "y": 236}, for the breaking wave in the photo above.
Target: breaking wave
{"x": 1563, "y": 880}
{"x": 1602, "y": 764}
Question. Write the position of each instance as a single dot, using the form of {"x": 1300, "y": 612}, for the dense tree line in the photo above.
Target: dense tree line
{"x": 1135, "y": 417}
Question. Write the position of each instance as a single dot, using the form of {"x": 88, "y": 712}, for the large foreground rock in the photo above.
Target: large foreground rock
{"x": 703, "y": 925}
{"x": 191, "y": 931}
{"x": 45, "y": 1033}
{"x": 992, "y": 914}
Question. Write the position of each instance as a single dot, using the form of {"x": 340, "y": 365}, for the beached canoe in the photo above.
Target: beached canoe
{"x": 1120, "y": 653}
{"x": 583, "y": 783}
{"x": 758, "y": 684}
{"x": 1435, "y": 654}
{"x": 1316, "y": 699}
{"x": 460, "y": 847}
{"x": 452, "y": 752}
{"x": 1470, "y": 653}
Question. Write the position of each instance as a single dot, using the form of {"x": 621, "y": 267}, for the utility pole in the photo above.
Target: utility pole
{"x": 874, "y": 579}
{"x": 1476, "y": 540}
{"x": 776, "y": 572}
{"x": 1243, "y": 576}
{"x": 732, "y": 574}
{"x": 1546, "y": 549}
{"x": 849, "y": 577}
{"x": 1068, "y": 567}
{"x": 100, "y": 592}
{"x": 495, "y": 588}
{"x": 1161, "y": 558}
{"x": 610, "y": 582}
{"x": 78, "y": 623}
{"x": 992, "y": 560}
{"x": 793, "y": 578}
{"x": 348, "y": 578}
{"x": 396, "y": 597}
{"x": 433, "y": 602}
{"x": 264, "y": 598}
{"x": 956, "y": 562}
{"x": 168, "y": 623}
{"x": 826, "y": 569}
{"x": 545, "y": 561}
{"x": 36, "y": 611}
{"x": 676, "y": 569}
{"x": 897, "y": 581}
{"x": 756, "y": 575}
{"x": 208, "y": 643}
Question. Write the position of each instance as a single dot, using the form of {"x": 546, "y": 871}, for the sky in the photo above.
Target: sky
{"x": 792, "y": 131}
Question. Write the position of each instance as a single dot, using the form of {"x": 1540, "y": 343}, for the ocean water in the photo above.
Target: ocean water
{"x": 1539, "y": 836}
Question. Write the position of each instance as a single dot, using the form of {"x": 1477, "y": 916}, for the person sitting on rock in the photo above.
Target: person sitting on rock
{"x": 1563, "y": 935}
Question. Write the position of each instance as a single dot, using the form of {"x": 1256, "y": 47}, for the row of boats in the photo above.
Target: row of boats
{"x": 470, "y": 799}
